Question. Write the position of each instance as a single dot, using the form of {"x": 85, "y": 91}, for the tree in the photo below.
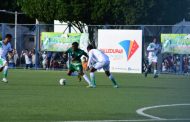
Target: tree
{"x": 113, "y": 12}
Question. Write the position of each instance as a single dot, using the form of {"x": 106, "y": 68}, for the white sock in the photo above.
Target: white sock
{"x": 87, "y": 79}
{"x": 5, "y": 71}
{"x": 155, "y": 72}
{"x": 92, "y": 75}
{"x": 74, "y": 74}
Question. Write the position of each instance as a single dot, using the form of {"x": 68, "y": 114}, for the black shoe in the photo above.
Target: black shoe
{"x": 79, "y": 77}
{"x": 155, "y": 76}
{"x": 145, "y": 74}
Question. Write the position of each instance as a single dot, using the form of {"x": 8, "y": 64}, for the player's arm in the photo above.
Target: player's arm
{"x": 150, "y": 49}
{"x": 85, "y": 54}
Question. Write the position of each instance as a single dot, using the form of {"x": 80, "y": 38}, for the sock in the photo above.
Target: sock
{"x": 112, "y": 79}
{"x": 92, "y": 77}
{"x": 74, "y": 74}
{"x": 5, "y": 72}
{"x": 87, "y": 79}
{"x": 155, "y": 72}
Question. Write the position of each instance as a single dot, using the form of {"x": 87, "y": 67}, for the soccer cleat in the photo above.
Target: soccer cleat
{"x": 145, "y": 74}
{"x": 79, "y": 77}
{"x": 90, "y": 86}
{"x": 116, "y": 86}
{"x": 4, "y": 80}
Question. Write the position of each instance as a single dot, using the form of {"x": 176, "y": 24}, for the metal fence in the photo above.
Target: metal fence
{"x": 27, "y": 36}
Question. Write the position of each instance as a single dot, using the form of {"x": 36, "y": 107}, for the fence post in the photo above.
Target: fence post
{"x": 3, "y": 30}
{"x": 37, "y": 46}
{"x": 69, "y": 25}
{"x": 181, "y": 63}
{"x": 143, "y": 55}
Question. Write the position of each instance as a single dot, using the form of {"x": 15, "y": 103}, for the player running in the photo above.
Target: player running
{"x": 153, "y": 49}
{"x": 98, "y": 60}
{"x": 75, "y": 54}
{"x": 5, "y": 47}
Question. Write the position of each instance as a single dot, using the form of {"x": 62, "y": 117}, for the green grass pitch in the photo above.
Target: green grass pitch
{"x": 36, "y": 96}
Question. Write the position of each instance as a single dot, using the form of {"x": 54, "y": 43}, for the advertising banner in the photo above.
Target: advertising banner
{"x": 175, "y": 43}
{"x": 59, "y": 42}
{"x": 124, "y": 48}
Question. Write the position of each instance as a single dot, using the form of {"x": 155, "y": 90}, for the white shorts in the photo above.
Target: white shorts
{"x": 104, "y": 65}
{"x": 2, "y": 62}
{"x": 152, "y": 60}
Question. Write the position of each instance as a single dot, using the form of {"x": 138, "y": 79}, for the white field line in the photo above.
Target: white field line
{"x": 141, "y": 110}
{"x": 138, "y": 120}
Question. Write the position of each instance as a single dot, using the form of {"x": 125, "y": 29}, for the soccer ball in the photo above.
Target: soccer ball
{"x": 62, "y": 81}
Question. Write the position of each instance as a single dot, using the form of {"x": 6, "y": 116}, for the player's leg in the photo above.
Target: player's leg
{"x": 71, "y": 71}
{"x": 4, "y": 68}
{"x": 92, "y": 76}
{"x": 148, "y": 69}
{"x": 155, "y": 67}
{"x": 106, "y": 68}
{"x": 81, "y": 73}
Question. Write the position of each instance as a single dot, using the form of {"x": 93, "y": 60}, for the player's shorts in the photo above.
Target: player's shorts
{"x": 76, "y": 67}
{"x": 105, "y": 65}
{"x": 2, "y": 62}
{"x": 152, "y": 60}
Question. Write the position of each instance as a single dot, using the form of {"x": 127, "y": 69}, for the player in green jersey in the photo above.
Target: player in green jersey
{"x": 75, "y": 65}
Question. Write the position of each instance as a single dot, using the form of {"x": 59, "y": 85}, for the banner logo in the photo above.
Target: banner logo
{"x": 130, "y": 47}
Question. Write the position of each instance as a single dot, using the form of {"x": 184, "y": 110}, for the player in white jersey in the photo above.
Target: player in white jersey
{"x": 98, "y": 60}
{"x": 5, "y": 47}
{"x": 153, "y": 49}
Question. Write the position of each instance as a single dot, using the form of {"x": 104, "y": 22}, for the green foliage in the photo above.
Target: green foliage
{"x": 107, "y": 11}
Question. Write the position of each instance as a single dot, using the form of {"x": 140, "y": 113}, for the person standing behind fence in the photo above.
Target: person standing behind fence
{"x": 33, "y": 56}
{"x": 16, "y": 57}
{"x": 153, "y": 50}
{"x": 10, "y": 58}
{"x": 28, "y": 60}
{"x": 5, "y": 47}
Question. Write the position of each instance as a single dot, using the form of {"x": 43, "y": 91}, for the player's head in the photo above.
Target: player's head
{"x": 89, "y": 47}
{"x": 154, "y": 40}
{"x": 8, "y": 38}
{"x": 75, "y": 45}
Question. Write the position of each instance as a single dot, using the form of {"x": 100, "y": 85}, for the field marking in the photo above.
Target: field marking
{"x": 132, "y": 120}
{"x": 141, "y": 110}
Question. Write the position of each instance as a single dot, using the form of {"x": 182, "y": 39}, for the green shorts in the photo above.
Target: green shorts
{"x": 76, "y": 67}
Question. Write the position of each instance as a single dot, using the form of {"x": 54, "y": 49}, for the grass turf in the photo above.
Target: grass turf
{"x": 36, "y": 96}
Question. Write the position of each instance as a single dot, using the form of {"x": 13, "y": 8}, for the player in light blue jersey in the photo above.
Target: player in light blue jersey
{"x": 153, "y": 50}
{"x": 5, "y": 47}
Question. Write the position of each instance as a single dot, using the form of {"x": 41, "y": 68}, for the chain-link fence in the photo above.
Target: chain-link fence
{"x": 27, "y": 39}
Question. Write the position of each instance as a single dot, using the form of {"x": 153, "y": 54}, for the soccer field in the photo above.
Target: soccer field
{"x": 36, "y": 96}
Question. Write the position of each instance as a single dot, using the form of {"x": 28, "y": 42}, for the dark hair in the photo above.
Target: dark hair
{"x": 75, "y": 44}
{"x": 89, "y": 47}
{"x": 8, "y": 36}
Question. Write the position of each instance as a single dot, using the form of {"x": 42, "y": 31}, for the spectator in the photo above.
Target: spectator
{"x": 16, "y": 57}
{"x": 28, "y": 59}
{"x": 44, "y": 60}
{"x": 10, "y": 57}
{"x": 33, "y": 57}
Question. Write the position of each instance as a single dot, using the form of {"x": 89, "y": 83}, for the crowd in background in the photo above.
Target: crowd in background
{"x": 55, "y": 60}
{"x": 172, "y": 63}
{"x": 26, "y": 59}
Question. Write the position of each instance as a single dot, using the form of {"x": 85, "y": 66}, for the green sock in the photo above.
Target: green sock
{"x": 112, "y": 79}
{"x": 92, "y": 77}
